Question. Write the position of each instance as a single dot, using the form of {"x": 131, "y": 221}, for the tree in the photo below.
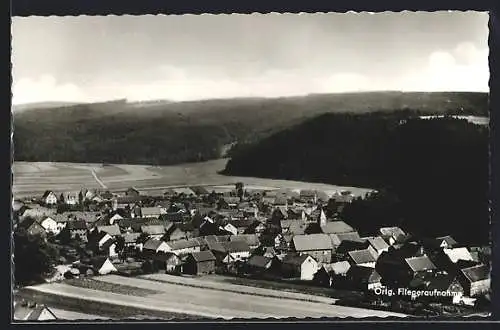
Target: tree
{"x": 33, "y": 258}
{"x": 120, "y": 246}
{"x": 239, "y": 190}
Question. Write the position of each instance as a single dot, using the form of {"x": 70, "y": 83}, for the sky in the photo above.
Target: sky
{"x": 191, "y": 57}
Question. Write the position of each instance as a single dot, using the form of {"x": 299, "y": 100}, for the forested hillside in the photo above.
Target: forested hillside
{"x": 166, "y": 132}
{"x": 434, "y": 173}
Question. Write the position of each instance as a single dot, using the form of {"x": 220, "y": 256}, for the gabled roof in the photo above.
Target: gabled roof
{"x": 364, "y": 274}
{"x": 203, "y": 256}
{"x": 441, "y": 282}
{"x": 458, "y": 254}
{"x": 113, "y": 230}
{"x": 347, "y": 245}
{"x": 336, "y": 227}
{"x": 172, "y": 217}
{"x": 476, "y": 273}
{"x": 338, "y": 238}
{"x": 153, "y": 229}
{"x": 312, "y": 242}
{"x": 448, "y": 239}
{"x": 152, "y": 244}
{"x": 378, "y": 243}
{"x": 28, "y": 312}
{"x": 420, "y": 263}
{"x": 250, "y": 239}
{"x": 362, "y": 256}
{"x": 294, "y": 259}
{"x": 131, "y": 237}
{"x": 259, "y": 261}
{"x": 236, "y": 246}
{"x": 151, "y": 211}
{"x": 297, "y": 228}
{"x": 76, "y": 225}
{"x": 183, "y": 244}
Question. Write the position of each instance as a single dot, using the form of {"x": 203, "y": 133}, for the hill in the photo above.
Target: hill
{"x": 433, "y": 173}
{"x": 166, "y": 132}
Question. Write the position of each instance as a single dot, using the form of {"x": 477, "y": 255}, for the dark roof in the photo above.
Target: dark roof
{"x": 165, "y": 256}
{"x": 441, "y": 282}
{"x": 294, "y": 259}
{"x": 420, "y": 263}
{"x": 347, "y": 245}
{"x": 172, "y": 217}
{"x": 448, "y": 239}
{"x": 76, "y": 225}
{"x": 236, "y": 246}
{"x": 152, "y": 244}
{"x": 364, "y": 274}
{"x": 476, "y": 273}
{"x": 337, "y": 268}
{"x": 259, "y": 261}
{"x": 203, "y": 256}
{"x": 312, "y": 242}
{"x": 362, "y": 256}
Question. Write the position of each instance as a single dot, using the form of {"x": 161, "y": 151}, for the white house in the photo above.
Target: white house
{"x": 302, "y": 266}
{"x": 49, "y": 198}
{"x": 104, "y": 266}
{"x": 52, "y": 226}
{"x": 230, "y": 228}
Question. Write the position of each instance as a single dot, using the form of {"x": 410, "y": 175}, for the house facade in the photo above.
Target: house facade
{"x": 199, "y": 263}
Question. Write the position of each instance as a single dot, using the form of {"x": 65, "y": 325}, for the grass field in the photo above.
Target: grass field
{"x": 34, "y": 178}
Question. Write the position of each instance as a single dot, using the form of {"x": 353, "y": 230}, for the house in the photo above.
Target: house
{"x": 365, "y": 258}
{"x": 150, "y": 212}
{"x": 132, "y": 192}
{"x": 455, "y": 254}
{"x": 168, "y": 262}
{"x": 30, "y": 311}
{"x": 49, "y": 198}
{"x": 153, "y": 246}
{"x": 77, "y": 229}
{"x": 338, "y": 238}
{"x": 199, "y": 190}
{"x": 398, "y": 270}
{"x": 50, "y": 225}
{"x": 176, "y": 232}
{"x": 446, "y": 283}
{"x": 33, "y": 228}
{"x": 308, "y": 195}
{"x": 378, "y": 244}
{"x": 103, "y": 266}
{"x": 229, "y": 252}
{"x": 328, "y": 274}
{"x": 199, "y": 263}
{"x": 258, "y": 265}
{"x": 363, "y": 278}
{"x": 251, "y": 239}
{"x": 174, "y": 217}
{"x": 347, "y": 246}
{"x": 231, "y": 228}
{"x": 336, "y": 227}
{"x": 475, "y": 280}
{"x": 102, "y": 242}
{"x": 154, "y": 231}
{"x": 392, "y": 235}
{"x": 297, "y": 228}
{"x": 299, "y": 266}
{"x": 446, "y": 242}
{"x": 319, "y": 246}
{"x": 70, "y": 198}
{"x": 183, "y": 247}
{"x": 130, "y": 239}
{"x": 37, "y": 212}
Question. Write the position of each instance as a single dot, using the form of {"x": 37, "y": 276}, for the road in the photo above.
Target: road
{"x": 207, "y": 302}
{"x": 98, "y": 180}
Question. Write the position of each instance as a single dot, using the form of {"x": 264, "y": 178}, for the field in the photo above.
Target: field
{"x": 189, "y": 297}
{"x": 34, "y": 178}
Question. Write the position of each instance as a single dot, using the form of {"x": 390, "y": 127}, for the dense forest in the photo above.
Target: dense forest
{"x": 164, "y": 132}
{"x": 432, "y": 174}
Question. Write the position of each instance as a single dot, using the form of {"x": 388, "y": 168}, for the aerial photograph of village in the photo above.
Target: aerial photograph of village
{"x": 227, "y": 167}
